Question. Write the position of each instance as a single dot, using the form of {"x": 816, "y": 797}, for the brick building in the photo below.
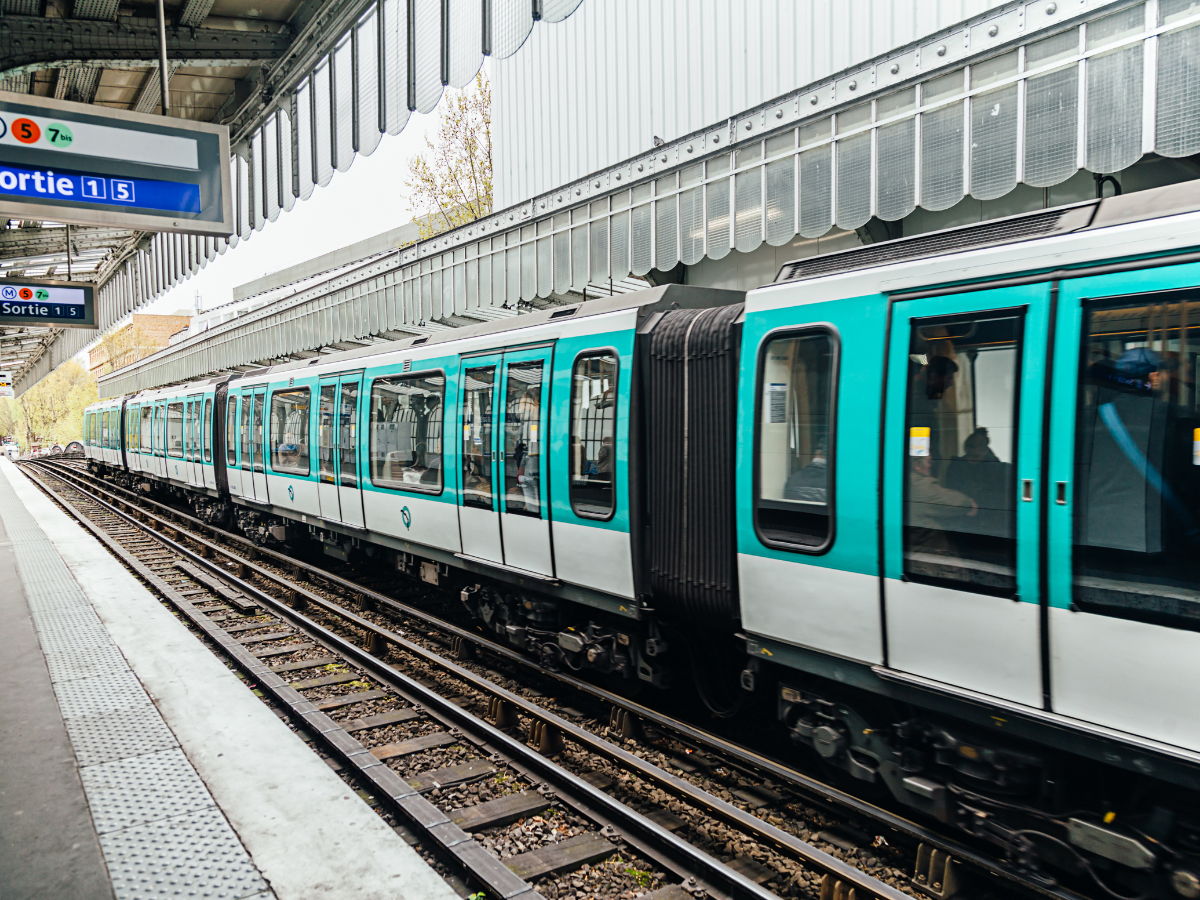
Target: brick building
{"x": 144, "y": 335}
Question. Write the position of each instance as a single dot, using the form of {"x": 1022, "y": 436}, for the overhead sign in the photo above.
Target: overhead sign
{"x": 74, "y": 162}
{"x": 6, "y": 389}
{"x": 58, "y": 304}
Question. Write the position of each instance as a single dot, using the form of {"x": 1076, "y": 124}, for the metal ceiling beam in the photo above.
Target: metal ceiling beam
{"x": 195, "y": 12}
{"x": 28, "y": 43}
{"x": 29, "y": 242}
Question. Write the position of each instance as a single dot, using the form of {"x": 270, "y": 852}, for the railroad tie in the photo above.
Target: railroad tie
{"x": 380, "y": 720}
{"x": 471, "y": 770}
{"x": 415, "y": 745}
{"x": 350, "y": 699}
{"x": 275, "y": 636}
{"x": 306, "y": 664}
{"x": 281, "y": 651}
{"x": 559, "y": 857}
{"x": 500, "y": 811}
{"x": 339, "y": 678}
{"x": 252, "y": 626}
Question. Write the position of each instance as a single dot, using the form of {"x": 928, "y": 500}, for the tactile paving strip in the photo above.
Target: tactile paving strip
{"x": 66, "y": 618}
{"x": 117, "y": 735}
{"x": 39, "y": 564}
{"x": 99, "y": 694}
{"x": 143, "y": 789}
{"x": 71, "y": 664}
{"x": 145, "y": 861}
{"x": 47, "y": 595}
{"x": 161, "y": 834}
{"x": 58, "y": 640}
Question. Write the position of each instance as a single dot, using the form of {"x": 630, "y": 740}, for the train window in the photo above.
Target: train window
{"x": 147, "y": 438}
{"x": 289, "y": 430}
{"x": 961, "y": 443}
{"x": 231, "y": 430}
{"x": 522, "y": 443}
{"x": 256, "y": 432}
{"x": 1137, "y": 461}
{"x": 347, "y": 440}
{"x": 206, "y": 432}
{"x": 104, "y": 429}
{"x": 592, "y": 487}
{"x": 327, "y": 434}
{"x": 131, "y": 430}
{"x": 477, "y": 436}
{"x": 247, "y": 402}
{"x": 406, "y": 432}
{"x": 793, "y": 506}
{"x": 175, "y": 430}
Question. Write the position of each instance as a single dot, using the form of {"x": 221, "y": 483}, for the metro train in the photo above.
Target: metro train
{"x": 933, "y": 502}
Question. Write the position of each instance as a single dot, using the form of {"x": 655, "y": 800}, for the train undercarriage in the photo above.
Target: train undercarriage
{"x": 1055, "y": 816}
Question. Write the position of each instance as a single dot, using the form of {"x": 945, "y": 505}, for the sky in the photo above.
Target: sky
{"x": 367, "y": 199}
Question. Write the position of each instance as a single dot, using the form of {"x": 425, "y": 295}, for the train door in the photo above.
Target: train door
{"x": 337, "y": 439}
{"x": 247, "y": 445}
{"x": 478, "y": 519}
{"x": 503, "y": 512}
{"x": 198, "y": 440}
{"x": 327, "y": 460}
{"x": 192, "y": 442}
{"x": 258, "y": 445}
{"x": 962, "y": 463}
{"x": 233, "y": 437}
{"x": 1123, "y": 509}
{"x": 208, "y": 430}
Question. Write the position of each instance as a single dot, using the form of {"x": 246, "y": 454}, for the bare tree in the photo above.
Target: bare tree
{"x": 125, "y": 346}
{"x": 450, "y": 184}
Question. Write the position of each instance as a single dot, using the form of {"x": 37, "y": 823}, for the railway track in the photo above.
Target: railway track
{"x": 636, "y": 775}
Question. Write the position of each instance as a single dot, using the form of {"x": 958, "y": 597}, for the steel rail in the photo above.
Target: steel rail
{"x": 687, "y": 857}
{"x": 749, "y": 760}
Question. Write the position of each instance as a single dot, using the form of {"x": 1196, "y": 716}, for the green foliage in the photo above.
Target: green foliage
{"x": 52, "y": 410}
{"x": 642, "y": 878}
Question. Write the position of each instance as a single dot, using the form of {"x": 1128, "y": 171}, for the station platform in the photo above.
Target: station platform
{"x": 134, "y": 764}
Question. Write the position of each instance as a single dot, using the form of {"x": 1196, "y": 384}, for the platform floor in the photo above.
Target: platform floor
{"x": 134, "y": 764}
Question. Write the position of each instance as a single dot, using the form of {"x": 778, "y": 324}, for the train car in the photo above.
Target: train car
{"x": 932, "y": 501}
{"x": 102, "y": 429}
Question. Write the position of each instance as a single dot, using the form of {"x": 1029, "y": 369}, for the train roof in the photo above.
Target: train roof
{"x": 667, "y": 296}
{"x": 1146, "y": 223}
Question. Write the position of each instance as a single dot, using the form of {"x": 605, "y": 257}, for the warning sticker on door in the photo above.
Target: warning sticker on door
{"x": 777, "y": 403}
{"x": 918, "y": 441}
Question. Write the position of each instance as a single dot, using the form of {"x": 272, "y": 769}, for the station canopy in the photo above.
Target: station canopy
{"x": 303, "y": 85}
{"x": 1027, "y": 101}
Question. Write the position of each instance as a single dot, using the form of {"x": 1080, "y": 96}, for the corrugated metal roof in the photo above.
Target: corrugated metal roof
{"x": 599, "y": 88}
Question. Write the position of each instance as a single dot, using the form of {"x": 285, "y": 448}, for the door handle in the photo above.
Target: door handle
{"x": 1060, "y": 493}
{"x": 1027, "y": 490}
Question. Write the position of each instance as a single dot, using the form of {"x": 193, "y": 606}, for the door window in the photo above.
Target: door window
{"x": 406, "y": 432}
{"x": 793, "y": 506}
{"x": 247, "y": 402}
{"x": 231, "y": 431}
{"x": 961, "y": 430}
{"x": 477, "y": 436}
{"x": 189, "y": 429}
{"x": 348, "y": 431}
{"x": 147, "y": 440}
{"x": 256, "y": 432}
{"x": 522, "y": 442}
{"x": 289, "y": 430}
{"x": 593, "y": 435}
{"x": 175, "y": 430}
{"x": 326, "y": 434}
{"x": 1137, "y": 461}
{"x": 207, "y": 430}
